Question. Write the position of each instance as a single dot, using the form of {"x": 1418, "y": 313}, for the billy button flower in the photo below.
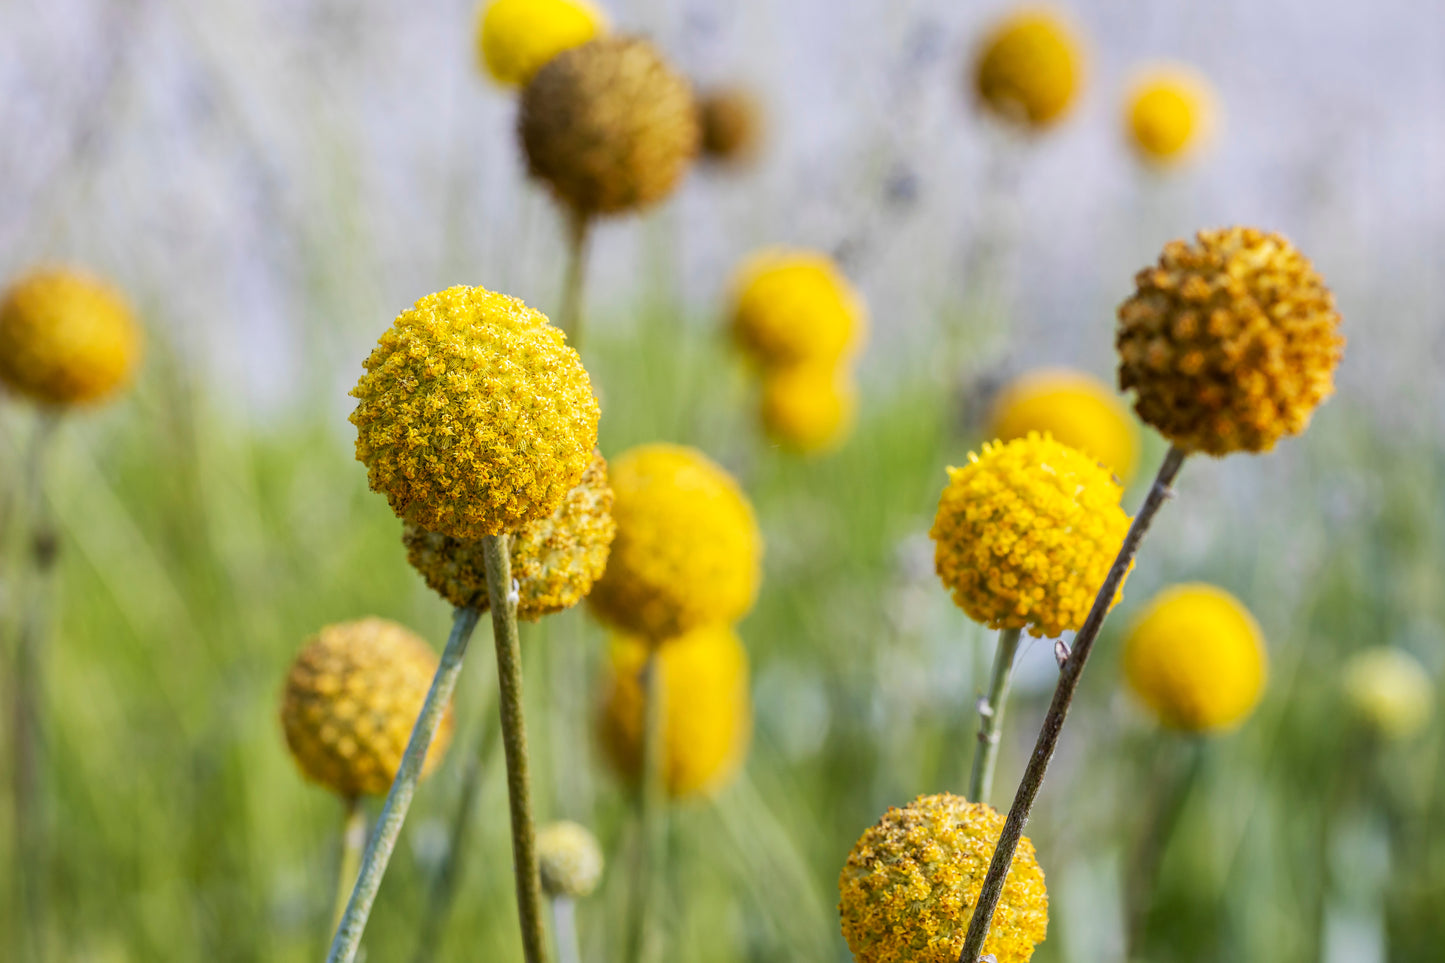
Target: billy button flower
{"x": 1388, "y": 691}
{"x": 1074, "y": 408}
{"x": 516, "y": 37}
{"x": 571, "y": 862}
{"x": 808, "y": 408}
{"x": 1169, "y": 115}
{"x": 1029, "y": 68}
{"x": 731, "y": 119}
{"x": 793, "y": 307}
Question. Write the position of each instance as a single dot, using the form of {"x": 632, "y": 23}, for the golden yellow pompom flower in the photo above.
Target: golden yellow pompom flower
{"x": 1196, "y": 658}
{"x": 687, "y": 553}
{"x": 66, "y": 338}
{"x": 1026, "y": 533}
{"x": 1029, "y": 68}
{"x": 912, "y": 880}
{"x": 569, "y": 860}
{"x": 1230, "y": 343}
{"x": 1389, "y": 691}
{"x": 555, "y": 560}
{"x": 809, "y": 407}
{"x": 1076, "y": 409}
{"x": 792, "y": 307}
{"x": 516, "y": 37}
{"x": 707, "y": 714}
{"x": 1169, "y": 115}
{"x": 351, "y": 699}
{"x": 732, "y": 124}
{"x": 474, "y": 417}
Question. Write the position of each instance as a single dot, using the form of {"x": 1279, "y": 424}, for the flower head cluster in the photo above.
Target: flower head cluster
{"x": 731, "y": 119}
{"x": 570, "y": 860}
{"x": 351, "y": 699}
{"x": 1169, "y": 115}
{"x": 555, "y": 559}
{"x": 808, "y": 408}
{"x": 1029, "y": 69}
{"x": 1026, "y": 533}
{"x": 912, "y": 880}
{"x": 1074, "y": 408}
{"x": 1230, "y": 343}
{"x": 474, "y": 417}
{"x": 516, "y": 37}
{"x": 795, "y": 307}
{"x": 1389, "y": 691}
{"x": 687, "y": 553}
{"x": 66, "y": 338}
{"x": 1196, "y": 658}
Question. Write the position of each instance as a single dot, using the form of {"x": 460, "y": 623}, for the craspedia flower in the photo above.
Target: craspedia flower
{"x": 1169, "y": 115}
{"x": 609, "y": 125}
{"x": 795, "y": 306}
{"x": 1389, "y": 691}
{"x": 912, "y": 880}
{"x": 1196, "y": 658}
{"x": 1029, "y": 68}
{"x": 1026, "y": 533}
{"x": 1230, "y": 343}
{"x": 569, "y": 859}
{"x": 516, "y": 37}
{"x": 555, "y": 560}
{"x": 474, "y": 417}
{"x": 66, "y": 338}
{"x": 1074, "y": 408}
{"x": 351, "y": 699}
{"x": 707, "y": 714}
{"x": 732, "y": 124}
{"x": 687, "y": 552}
{"x": 809, "y": 407}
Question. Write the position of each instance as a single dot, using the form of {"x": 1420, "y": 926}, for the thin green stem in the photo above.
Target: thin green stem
{"x": 569, "y": 317}
{"x": 990, "y": 716}
{"x": 564, "y": 929}
{"x": 1168, "y": 807}
{"x": 1053, "y": 725}
{"x": 353, "y": 841}
{"x": 644, "y": 938}
{"x": 347, "y": 941}
{"x": 503, "y": 598}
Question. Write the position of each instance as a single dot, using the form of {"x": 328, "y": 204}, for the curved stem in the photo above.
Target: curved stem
{"x": 393, "y": 812}
{"x": 564, "y": 927}
{"x": 353, "y": 841}
{"x": 569, "y": 317}
{"x": 643, "y": 937}
{"x": 1048, "y": 740}
{"x": 990, "y": 716}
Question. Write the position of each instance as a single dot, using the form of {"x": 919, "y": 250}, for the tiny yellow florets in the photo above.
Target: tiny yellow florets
{"x": 1026, "y": 533}
{"x": 516, "y": 37}
{"x": 1196, "y": 658}
{"x": 351, "y": 699}
{"x": 66, "y": 338}
{"x": 569, "y": 859}
{"x": 1029, "y": 69}
{"x": 555, "y": 559}
{"x": 1169, "y": 115}
{"x": 1389, "y": 691}
{"x": 1230, "y": 343}
{"x": 808, "y": 408}
{"x": 707, "y": 714}
{"x": 1076, "y": 409}
{"x": 474, "y": 417}
{"x": 687, "y": 553}
{"x": 793, "y": 307}
{"x": 912, "y": 880}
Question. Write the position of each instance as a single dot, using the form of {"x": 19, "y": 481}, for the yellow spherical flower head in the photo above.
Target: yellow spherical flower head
{"x": 474, "y": 417}
{"x": 1196, "y": 658}
{"x": 1076, "y": 409}
{"x": 732, "y": 125}
{"x": 1389, "y": 691}
{"x": 792, "y": 307}
{"x": 1029, "y": 68}
{"x": 66, "y": 338}
{"x": 1026, "y": 533}
{"x": 912, "y": 880}
{"x": 351, "y": 699}
{"x": 808, "y": 408}
{"x": 707, "y": 714}
{"x": 516, "y": 37}
{"x": 687, "y": 553}
{"x": 569, "y": 859}
{"x": 555, "y": 560}
{"x": 1230, "y": 343}
{"x": 610, "y": 126}
{"x": 1169, "y": 115}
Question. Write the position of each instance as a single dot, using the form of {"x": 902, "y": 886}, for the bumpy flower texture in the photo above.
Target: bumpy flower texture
{"x": 1196, "y": 658}
{"x": 1026, "y": 533}
{"x": 570, "y": 860}
{"x": 516, "y": 37}
{"x": 687, "y": 552}
{"x": 474, "y": 417}
{"x": 1169, "y": 115}
{"x": 1076, "y": 409}
{"x": 912, "y": 880}
{"x": 555, "y": 560}
{"x": 809, "y": 407}
{"x": 1230, "y": 343}
{"x": 350, "y": 701}
{"x": 1029, "y": 69}
{"x": 793, "y": 307}
{"x": 66, "y": 338}
{"x": 1389, "y": 691}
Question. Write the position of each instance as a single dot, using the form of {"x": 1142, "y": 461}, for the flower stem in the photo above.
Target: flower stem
{"x": 1163, "y": 819}
{"x": 1053, "y": 725}
{"x": 564, "y": 927}
{"x": 569, "y": 317}
{"x": 990, "y": 716}
{"x": 379, "y": 847}
{"x": 643, "y": 937}
{"x": 496, "y": 553}
{"x": 353, "y": 841}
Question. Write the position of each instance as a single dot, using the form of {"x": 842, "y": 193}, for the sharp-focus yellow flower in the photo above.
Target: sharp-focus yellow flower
{"x": 569, "y": 859}
{"x": 516, "y": 37}
{"x": 1026, "y": 533}
{"x": 1169, "y": 115}
{"x": 809, "y": 407}
{"x": 792, "y": 307}
{"x": 912, "y": 880}
{"x": 1029, "y": 68}
{"x": 351, "y": 699}
{"x": 1390, "y": 691}
{"x": 687, "y": 553}
{"x": 1196, "y": 658}
{"x": 474, "y": 417}
{"x": 707, "y": 714}
{"x": 66, "y": 338}
{"x": 1230, "y": 343}
{"x": 1076, "y": 409}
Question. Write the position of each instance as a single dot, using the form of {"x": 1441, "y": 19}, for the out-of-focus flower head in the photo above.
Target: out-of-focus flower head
{"x": 1074, "y": 408}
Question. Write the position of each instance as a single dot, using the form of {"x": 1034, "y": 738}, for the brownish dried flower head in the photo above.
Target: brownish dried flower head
{"x": 732, "y": 124}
